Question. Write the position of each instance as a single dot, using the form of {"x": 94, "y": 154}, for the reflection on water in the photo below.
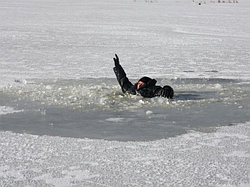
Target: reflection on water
{"x": 96, "y": 108}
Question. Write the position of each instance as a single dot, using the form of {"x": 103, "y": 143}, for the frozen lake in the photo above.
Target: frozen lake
{"x": 168, "y": 39}
{"x": 65, "y": 122}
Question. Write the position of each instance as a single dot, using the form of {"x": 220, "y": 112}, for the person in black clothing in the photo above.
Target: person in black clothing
{"x": 145, "y": 86}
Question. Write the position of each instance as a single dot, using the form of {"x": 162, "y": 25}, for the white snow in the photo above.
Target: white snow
{"x": 115, "y": 119}
{"x": 194, "y": 159}
{"x": 8, "y": 110}
{"x": 65, "y": 39}
{"x": 149, "y": 112}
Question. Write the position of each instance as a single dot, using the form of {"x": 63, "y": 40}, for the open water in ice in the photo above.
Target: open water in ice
{"x": 203, "y": 47}
{"x": 96, "y": 108}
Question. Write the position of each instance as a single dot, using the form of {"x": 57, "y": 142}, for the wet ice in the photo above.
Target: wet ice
{"x": 97, "y": 108}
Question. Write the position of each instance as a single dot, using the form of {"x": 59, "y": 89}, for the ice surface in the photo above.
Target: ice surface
{"x": 69, "y": 41}
{"x": 64, "y": 39}
{"x": 195, "y": 159}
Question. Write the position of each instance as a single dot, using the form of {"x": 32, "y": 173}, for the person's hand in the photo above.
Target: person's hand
{"x": 116, "y": 60}
{"x": 168, "y": 92}
{"x": 164, "y": 92}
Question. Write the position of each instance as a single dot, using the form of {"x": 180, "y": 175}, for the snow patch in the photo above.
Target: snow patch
{"x": 8, "y": 110}
{"x": 116, "y": 120}
{"x": 242, "y": 154}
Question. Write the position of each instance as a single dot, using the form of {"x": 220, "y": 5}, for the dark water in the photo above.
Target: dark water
{"x": 96, "y": 108}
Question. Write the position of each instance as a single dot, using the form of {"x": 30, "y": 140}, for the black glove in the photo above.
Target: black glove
{"x": 116, "y": 60}
{"x": 164, "y": 92}
{"x": 167, "y": 91}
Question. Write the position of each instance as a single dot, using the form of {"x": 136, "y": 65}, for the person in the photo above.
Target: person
{"x": 146, "y": 87}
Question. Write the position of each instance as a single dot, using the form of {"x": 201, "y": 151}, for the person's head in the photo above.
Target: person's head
{"x": 142, "y": 82}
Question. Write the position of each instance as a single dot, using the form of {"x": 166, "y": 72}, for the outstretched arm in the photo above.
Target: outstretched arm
{"x": 119, "y": 71}
{"x": 125, "y": 84}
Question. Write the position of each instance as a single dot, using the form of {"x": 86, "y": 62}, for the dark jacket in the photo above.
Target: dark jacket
{"x": 148, "y": 90}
